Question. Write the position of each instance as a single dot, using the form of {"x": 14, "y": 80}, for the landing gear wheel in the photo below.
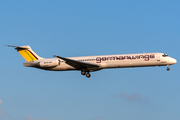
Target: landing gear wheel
{"x": 88, "y": 75}
{"x": 83, "y": 72}
{"x": 168, "y": 69}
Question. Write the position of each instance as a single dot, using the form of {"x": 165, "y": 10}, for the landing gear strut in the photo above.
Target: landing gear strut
{"x": 86, "y": 73}
{"x": 168, "y": 67}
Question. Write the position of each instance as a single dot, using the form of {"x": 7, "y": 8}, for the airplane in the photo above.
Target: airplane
{"x": 87, "y": 64}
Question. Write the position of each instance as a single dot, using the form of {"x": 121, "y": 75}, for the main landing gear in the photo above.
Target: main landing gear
{"x": 87, "y": 74}
{"x": 168, "y": 67}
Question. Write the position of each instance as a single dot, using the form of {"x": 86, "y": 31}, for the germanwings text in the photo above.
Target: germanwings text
{"x": 145, "y": 57}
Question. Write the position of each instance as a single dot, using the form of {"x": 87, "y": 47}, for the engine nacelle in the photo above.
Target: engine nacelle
{"x": 48, "y": 63}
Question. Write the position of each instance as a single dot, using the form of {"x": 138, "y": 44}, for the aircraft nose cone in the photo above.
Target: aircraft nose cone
{"x": 174, "y": 61}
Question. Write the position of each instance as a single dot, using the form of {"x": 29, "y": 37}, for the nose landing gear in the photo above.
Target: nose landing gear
{"x": 86, "y": 73}
{"x": 168, "y": 67}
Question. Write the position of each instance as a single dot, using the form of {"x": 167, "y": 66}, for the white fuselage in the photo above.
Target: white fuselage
{"x": 88, "y": 64}
{"x": 113, "y": 61}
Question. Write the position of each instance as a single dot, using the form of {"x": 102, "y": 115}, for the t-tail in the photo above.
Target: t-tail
{"x": 27, "y": 53}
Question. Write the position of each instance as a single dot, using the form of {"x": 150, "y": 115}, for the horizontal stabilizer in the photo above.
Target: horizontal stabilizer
{"x": 19, "y": 47}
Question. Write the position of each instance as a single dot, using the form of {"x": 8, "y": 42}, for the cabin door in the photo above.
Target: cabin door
{"x": 158, "y": 58}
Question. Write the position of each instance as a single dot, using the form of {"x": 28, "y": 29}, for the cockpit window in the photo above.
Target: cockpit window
{"x": 165, "y": 55}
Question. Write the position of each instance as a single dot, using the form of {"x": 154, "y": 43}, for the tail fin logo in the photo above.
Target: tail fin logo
{"x": 26, "y": 52}
{"x": 27, "y": 55}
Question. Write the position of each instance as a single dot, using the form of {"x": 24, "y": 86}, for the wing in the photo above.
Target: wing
{"x": 79, "y": 65}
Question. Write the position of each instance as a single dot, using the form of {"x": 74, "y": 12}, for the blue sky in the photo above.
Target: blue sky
{"x": 84, "y": 28}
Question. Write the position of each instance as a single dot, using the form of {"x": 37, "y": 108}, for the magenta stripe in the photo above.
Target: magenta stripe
{"x": 33, "y": 54}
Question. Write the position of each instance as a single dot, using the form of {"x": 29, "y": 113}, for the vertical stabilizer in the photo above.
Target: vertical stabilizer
{"x": 27, "y": 53}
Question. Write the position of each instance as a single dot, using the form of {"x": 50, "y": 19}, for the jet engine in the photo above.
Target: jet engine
{"x": 48, "y": 64}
